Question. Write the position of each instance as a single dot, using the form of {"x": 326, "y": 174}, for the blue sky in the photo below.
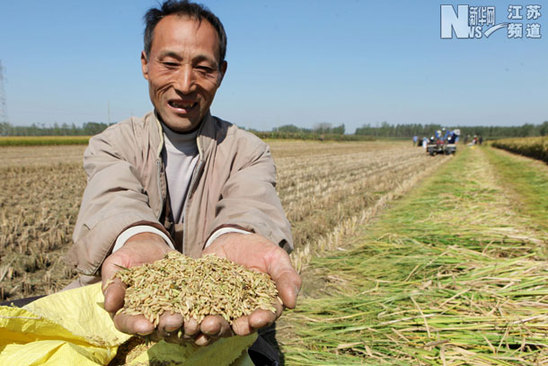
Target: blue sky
{"x": 289, "y": 62}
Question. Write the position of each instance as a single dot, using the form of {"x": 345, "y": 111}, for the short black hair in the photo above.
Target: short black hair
{"x": 183, "y": 8}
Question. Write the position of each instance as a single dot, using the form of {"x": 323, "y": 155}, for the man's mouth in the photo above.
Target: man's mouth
{"x": 179, "y": 104}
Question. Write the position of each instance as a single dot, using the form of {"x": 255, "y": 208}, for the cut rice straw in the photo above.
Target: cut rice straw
{"x": 458, "y": 283}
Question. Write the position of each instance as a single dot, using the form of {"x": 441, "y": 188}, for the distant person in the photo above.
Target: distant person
{"x": 456, "y": 134}
{"x": 415, "y": 138}
{"x": 180, "y": 179}
{"x": 480, "y": 139}
{"x": 452, "y": 137}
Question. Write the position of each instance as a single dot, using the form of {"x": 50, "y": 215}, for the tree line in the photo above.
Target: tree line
{"x": 320, "y": 131}
{"x": 87, "y": 129}
{"x": 320, "y": 128}
{"x": 490, "y": 132}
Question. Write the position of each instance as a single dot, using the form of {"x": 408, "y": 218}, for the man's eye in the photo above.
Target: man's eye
{"x": 170, "y": 65}
{"x": 204, "y": 69}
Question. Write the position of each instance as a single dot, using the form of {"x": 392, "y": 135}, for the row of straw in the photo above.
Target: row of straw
{"x": 432, "y": 284}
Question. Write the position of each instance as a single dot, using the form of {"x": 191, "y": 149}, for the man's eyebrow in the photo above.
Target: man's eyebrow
{"x": 196, "y": 58}
{"x": 201, "y": 57}
{"x": 173, "y": 54}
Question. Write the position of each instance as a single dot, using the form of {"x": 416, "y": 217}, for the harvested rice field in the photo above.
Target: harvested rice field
{"x": 321, "y": 185}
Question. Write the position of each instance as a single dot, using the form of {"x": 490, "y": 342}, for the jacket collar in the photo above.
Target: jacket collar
{"x": 204, "y": 139}
{"x": 207, "y": 135}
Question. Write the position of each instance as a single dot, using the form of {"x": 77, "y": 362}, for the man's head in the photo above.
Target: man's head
{"x": 190, "y": 10}
{"x": 183, "y": 61}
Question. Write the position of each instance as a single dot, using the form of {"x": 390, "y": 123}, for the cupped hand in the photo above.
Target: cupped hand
{"x": 139, "y": 249}
{"x": 258, "y": 253}
{"x": 147, "y": 248}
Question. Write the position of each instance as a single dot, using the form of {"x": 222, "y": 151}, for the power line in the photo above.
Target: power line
{"x": 3, "y": 107}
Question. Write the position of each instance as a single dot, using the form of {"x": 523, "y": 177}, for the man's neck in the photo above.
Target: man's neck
{"x": 193, "y": 131}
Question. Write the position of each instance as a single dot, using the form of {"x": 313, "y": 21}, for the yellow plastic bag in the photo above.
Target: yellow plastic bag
{"x": 72, "y": 328}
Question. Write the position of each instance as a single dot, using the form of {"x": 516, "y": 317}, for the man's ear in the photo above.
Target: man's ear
{"x": 223, "y": 67}
{"x": 144, "y": 64}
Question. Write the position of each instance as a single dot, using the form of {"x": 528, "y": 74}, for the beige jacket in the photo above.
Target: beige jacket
{"x": 233, "y": 185}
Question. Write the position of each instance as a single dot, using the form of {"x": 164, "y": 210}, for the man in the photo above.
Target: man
{"x": 179, "y": 178}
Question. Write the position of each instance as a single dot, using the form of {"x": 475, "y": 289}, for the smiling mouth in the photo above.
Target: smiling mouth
{"x": 182, "y": 105}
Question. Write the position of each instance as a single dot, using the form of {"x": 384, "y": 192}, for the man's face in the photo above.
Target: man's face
{"x": 183, "y": 71}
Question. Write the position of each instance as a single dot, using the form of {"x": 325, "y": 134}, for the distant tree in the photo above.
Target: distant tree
{"x": 527, "y": 130}
{"x": 543, "y": 130}
{"x": 339, "y": 130}
{"x": 323, "y": 127}
{"x": 5, "y": 128}
{"x": 93, "y": 128}
{"x": 366, "y": 129}
{"x": 287, "y": 128}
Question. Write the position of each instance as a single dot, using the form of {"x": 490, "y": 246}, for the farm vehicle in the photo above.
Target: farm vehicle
{"x": 444, "y": 143}
{"x": 440, "y": 147}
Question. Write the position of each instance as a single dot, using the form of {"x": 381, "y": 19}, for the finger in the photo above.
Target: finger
{"x": 109, "y": 269}
{"x": 215, "y": 326}
{"x": 169, "y": 323}
{"x": 133, "y": 324}
{"x": 114, "y": 295}
{"x": 261, "y": 318}
{"x": 202, "y": 340}
{"x": 191, "y": 328}
{"x": 241, "y": 326}
{"x": 279, "y": 306}
{"x": 288, "y": 282}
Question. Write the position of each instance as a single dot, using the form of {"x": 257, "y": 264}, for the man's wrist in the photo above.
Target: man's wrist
{"x": 139, "y": 229}
{"x": 224, "y": 230}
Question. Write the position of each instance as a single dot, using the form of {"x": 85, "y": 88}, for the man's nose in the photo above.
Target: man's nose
{"x": 184, "y": 82}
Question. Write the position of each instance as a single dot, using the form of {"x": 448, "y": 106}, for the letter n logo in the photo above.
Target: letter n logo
{"x": 457, "y": 22}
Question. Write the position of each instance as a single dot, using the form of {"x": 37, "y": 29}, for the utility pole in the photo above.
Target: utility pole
{"x": 3, "y": 108}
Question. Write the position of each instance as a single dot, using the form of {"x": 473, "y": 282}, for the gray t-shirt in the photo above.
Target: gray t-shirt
{"x": 180, "y": 156}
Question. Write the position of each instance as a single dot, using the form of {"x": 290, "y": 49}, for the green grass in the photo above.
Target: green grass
{"x": 43, "y": 140}
{"x": 528, "y": 179}
{"x": 449, "y": 275}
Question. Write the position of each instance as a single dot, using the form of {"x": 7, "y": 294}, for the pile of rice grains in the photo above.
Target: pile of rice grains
{"x": 195, "y": 288}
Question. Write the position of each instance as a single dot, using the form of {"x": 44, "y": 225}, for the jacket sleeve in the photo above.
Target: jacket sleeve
{"x": 114, "y": 199}
{"x": 249, "y": 199}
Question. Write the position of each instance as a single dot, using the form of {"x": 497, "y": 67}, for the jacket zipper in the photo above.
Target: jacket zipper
{"x": 159, "y": 167}
{"x": 197, "y": 172}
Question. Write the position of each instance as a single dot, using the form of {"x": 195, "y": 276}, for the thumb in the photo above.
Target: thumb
{"x": 114, "y": 289}
{"x": 287, "y": 279}
{"x": 289, "y": 285}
